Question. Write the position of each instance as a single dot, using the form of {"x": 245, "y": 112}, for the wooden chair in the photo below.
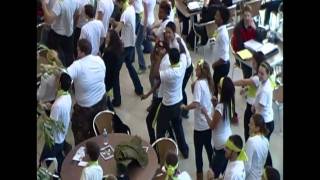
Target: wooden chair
{"x": 163, "y": 146}
{"x": 103, "y": 120}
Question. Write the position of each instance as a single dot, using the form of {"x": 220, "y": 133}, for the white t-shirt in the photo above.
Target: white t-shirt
{"x": 60, "y": 111}
{"x": 221, "y": 47}
{"x": 184, "y": 176}
{"x": 175, "y": 44}
{"x": 150, "y": 9}
{"x": 159, "y": 32}
{"x": 93, "y": 31}
{"x": 164, "y": 64}
{"x": 93, "y": 172}
{"x": 202, "y": 95}
{"x": 257, "y": 151}
{"x": 256, "y": 82}
{"x": 106, "y": 8}
{"x": 172, "y": 14}
{"x": 171, "y": 82}
{"x": 47, "y": 89}
{"x": 64, "y": 10}
{"x": 263, "y": 101}
{"x": 88, "y": 75}
{"x": 222, "y": 132}
{"x": 128, "y": 18}
{"x": 138, "y": 7}
{"x": 235, "y": 171}
{"x": 82, "y": 15}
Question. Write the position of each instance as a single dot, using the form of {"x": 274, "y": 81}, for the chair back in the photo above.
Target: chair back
{"x": 103, "y": 120}
{"x": 163, "y": 146}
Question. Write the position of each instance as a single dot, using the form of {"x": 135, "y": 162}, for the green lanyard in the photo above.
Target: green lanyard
{"x": 175, "y": 65}
{"x": 91, "y": 163}
{"x": 62, "y": 93}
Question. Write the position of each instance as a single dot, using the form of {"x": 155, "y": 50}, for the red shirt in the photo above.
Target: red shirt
{"x": 245, "y": 35}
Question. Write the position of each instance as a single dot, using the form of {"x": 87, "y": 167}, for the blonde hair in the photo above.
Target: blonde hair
{"x": 246, "y": 8}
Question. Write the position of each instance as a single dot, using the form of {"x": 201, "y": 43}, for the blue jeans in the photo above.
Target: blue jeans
{"x": 128, "y": 58}
{"x": 139, "y": 41}
{"x": 138, "y": 20}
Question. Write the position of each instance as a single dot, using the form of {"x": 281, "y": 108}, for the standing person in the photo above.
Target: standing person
{"x": 93, "y": 30}
{"x": 171, "y": 80}
{"x": 127, "y": 28}
{"x": 257, "y": 148}
{"x": 175, "y": 41}
{"x": 143, "y": 31}
{"x": 113, "y": 62}
{"x": 93, "y": 171}
{"x": 60, "y": 37}
{"x": 252, "y": 85}
{"x": 263, "y": 102}
{"x": 82, "y": 20}
{"x": 244, "y": 31}
{"x": 163, "y": 15}
{"x": 270, "y": 6}
{"x": 88, "y": 74}
{"x": 237, "y": 156}
{"x": 103, "y": 13}
{"x": 138, "y": 8}
{"x": 220, "y": 124}
{"x": 221, "y": 63}
{"x": 60, "y": 111}
{"x": 202, "y": 93}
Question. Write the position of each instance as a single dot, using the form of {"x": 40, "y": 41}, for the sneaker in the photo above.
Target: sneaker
{"x": 141, "y": 71}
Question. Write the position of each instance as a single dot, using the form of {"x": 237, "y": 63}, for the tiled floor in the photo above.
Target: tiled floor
{"x": 133, "y": 112}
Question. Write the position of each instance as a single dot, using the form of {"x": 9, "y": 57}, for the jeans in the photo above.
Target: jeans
{"x": 55, "y": 151}
{"x": 139, "y": 41}
{"x": 246, "y": 120}
{"x": 219, "y": 162}
{"x": 270, "y": 127}
{"x": 171, "y": 115}
{"x": 63, "y": 45}
{"x": 128, "y": 59}
{"x": 218, "y": 73}
{"x": 138, "y": 20}
{"x": 186, "y": 78}
{"x": 200, "y": 139}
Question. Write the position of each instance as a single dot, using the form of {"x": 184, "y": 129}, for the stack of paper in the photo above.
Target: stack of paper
{"x": 192, "y": 6}
{"x": 245, "y": 54}
{"x": 253, "y": 45}
{"x": 268, "y": 48}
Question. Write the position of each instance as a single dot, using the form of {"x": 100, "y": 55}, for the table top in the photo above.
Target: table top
{"x": 71, "y": 171}
{"x": 182, "y": 7}
{"x": 273, "y": 60}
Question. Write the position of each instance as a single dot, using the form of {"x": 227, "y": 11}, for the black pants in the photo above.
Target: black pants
{"x": 200, "y": 139}
{"x": 77, "y": 32}
{"x": 184, "y": 84}
{"x": 150, "y": 117}
{"x": 171, "y": 115}
{"x": 246, "y": 70}
{"x": 82, "y": 119}
{"x": 270, "y": 127}
{"x": 185, "y": 23}
{"x": 219, "y": 162}
{"x": 54, "y": 151}
{"x": 219, "y": 72}
{"x": 63, "y": 45}
{"x": 246, "y": 120}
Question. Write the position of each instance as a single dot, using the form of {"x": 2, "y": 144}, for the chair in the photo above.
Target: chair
{"x": 236, "y": 64}
{"x": 278, "y": 102}
{"x": 163, "y": 146}
{"x": 211, "y": 28}
{"x": 103, "y": 120}
{"x": 233, "y": 15}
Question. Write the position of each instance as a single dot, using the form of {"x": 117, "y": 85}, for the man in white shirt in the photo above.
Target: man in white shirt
{"x": 93, "y": 30}
{"x": 60, "y": 111}
{"x": 93, "y": 171}
{"x": 60, "y": 36}
{"x": 88, "y": 74}
{"x": 81, "y": 21}
{"x": 171, "y": 90}
{"x": 127, "y": 28}
{"x": 221, "y": 63}
{"x": 103, "y": 13}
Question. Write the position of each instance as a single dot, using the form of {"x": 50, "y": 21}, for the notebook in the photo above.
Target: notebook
{"x": 245, "y": 54}
{"x": 253, "y": 45}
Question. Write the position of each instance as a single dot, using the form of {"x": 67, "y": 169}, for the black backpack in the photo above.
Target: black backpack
{"x": 119, "y": 126}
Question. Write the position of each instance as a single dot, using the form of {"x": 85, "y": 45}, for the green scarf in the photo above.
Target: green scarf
{"x": 170, "y": 171}
{"x": 242, "y": 156}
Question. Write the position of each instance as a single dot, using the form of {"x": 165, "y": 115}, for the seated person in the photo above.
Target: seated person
{"x": 170, "y": 170}
{"x": 271, "y": 6}
{"x": 244, "y": 31}
{"x": 93, "y": 171}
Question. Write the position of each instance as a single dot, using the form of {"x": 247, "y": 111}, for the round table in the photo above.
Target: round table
{"x": 71, "y": 171}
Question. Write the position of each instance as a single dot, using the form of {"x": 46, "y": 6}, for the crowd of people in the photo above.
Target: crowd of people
{"x": 93, "y": 39}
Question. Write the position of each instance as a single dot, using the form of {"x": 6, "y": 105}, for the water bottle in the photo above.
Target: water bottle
{"x": 105, "y": 137}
